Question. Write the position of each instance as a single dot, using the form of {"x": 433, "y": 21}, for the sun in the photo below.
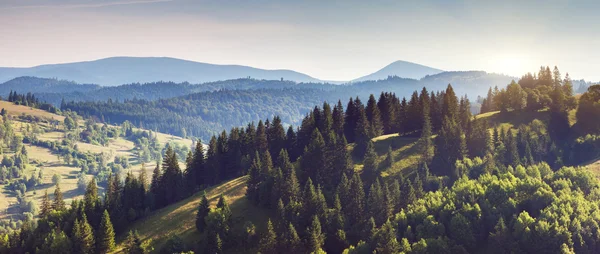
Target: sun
{"x": 510, "y": 64}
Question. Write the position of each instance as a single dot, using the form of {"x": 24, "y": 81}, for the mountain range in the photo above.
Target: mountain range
{"x": 125, "y": 70}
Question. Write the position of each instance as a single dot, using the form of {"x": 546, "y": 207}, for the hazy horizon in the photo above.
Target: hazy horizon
{"x": 326, "y": 40}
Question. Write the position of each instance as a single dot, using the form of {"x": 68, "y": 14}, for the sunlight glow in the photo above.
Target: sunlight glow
{"x": 510, "y": 64}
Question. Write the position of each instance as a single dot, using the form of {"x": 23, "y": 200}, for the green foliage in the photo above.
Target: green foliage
{"x": 105, "y": 235}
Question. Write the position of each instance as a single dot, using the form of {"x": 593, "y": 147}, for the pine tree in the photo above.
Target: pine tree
{"x": 90, "y": 198}
{"x": 313, "y": 159}
{"x": 196, "y": 175}
{"x": 464, "y": 116}
{"x": 292, "y": 240}
{"x": 425, "y": 142}
{"x": 58, "y": 204}
{"x": 370, "y": 168}
{"x": 338, "y": 119}
{"x": 450, "y": 104}
{"x": 172, "y": 177}
{"x": 46, "y": 207}
{"x": 316, "y": 238}
{"x": 350, "y": 120}
{"x": 387, "y": 241}
{"x": 254, "y": 180}
{"x": 106, "y": 235}
{"x": 361, "y": 131}
{"x": 261, "y": 137}
{"x": 291, "y": 186}
{"x": 83, "y": 236}
{"x": 268, "y": 243}
{"x": 222, "y": 204}
{"x": 133, "y": 244}
{"x": 512, "y": 150}
{"x": 374, "y": 117}
{"x": 203, "y": 210}
{"x": 355, "y": 209}
{"x": 212, "y": 164}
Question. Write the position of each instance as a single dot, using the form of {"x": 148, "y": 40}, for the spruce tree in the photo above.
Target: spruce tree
{"x": 196, "y": 175}
{"x": 172, "y": 177}
{"x": 261, "y": 137}
{"x": 292, "y": 240}
{"x": 46, "y": 207}
{"x": 314, "y": 159}
{"x": 425, "y": 142}
{"x": 361, "y": 131}
{"x": 134, "y": 245}
{"x": 268, "y": 243}
{"x": 316, "y": 238}
{"x": 291, "y": 186}
{"x": 450, "y": 104}
{"x": 58, "y": 204}
{"x": 355, "y": 209}
{"x": 203, "y": 210}
{"x": 374, "y": 117}
{"x": 83, "y": 237}
{"x": 370, "y": 168}
{"x": 106, "y": 235}
{"x": 338, "y": 119}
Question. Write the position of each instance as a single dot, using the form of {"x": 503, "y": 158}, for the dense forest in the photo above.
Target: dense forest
{"x": 189, "y": 106}
{"x": 236, "y": 102}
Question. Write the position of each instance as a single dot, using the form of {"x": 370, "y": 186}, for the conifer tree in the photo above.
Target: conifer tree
{"x": 292, "y": 240}
{"x": 338, "y": 119}
{"x": 196, "y": 175}
{"x": 425, "y": 142}
{"x": 134, "y": 245}
{"x": 172, "y": 177}
{"x": 450, "y": 146}
{"x": 46, "y": 207}
{"x": 212, "y": 164}
{"x": 106, "y": 235}
{"x": 291, "y": 186}
{"x": 387, "y": 241}
{"x": 356, "y": 206}
{"x": 222, "y": 204}
{"x": 512, "y": 150}
{"x": 350, "y": 120}
{"x": 361, "y": 131}
{"x": 464, "y": 116}
{"x": 316, "y": 238}
{"x": 203, "y": 210}
{"x": 370, "y": 168}
{"x": 254, "y": 180}
{"x": 268, "y": 243}
{"x": 58, "y": 204}
{"x": 313, "y": 159}
{"x": 83, "y": 237}
{"x": 261, "y": 137}
{"x": 374, "y": 117}
{"x": 450, "y": 104}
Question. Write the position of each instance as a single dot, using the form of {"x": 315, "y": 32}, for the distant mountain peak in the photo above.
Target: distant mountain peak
{"x": 125, "y": 70}
{"x": 402, "y": 69}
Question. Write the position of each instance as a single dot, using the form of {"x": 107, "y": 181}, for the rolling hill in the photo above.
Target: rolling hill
{"x": 401, "y": 69}
{"x": 124, "y": 70}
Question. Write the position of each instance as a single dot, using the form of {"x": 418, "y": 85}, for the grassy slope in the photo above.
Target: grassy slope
{"x": 179, "y": 218}
{"x": 43, "y": 159}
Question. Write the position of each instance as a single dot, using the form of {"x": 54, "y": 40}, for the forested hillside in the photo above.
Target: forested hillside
{"x": 222, "y": 105}
{"x": 474, "y": 184}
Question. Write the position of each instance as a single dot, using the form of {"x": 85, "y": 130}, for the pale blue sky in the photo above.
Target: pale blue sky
{"x": 332, "y": 40}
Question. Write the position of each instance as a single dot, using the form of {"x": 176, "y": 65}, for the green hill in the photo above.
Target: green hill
{"x": 179, "y": 219}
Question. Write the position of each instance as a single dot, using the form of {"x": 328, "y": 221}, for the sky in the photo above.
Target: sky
{"x": 329, "y": 40}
